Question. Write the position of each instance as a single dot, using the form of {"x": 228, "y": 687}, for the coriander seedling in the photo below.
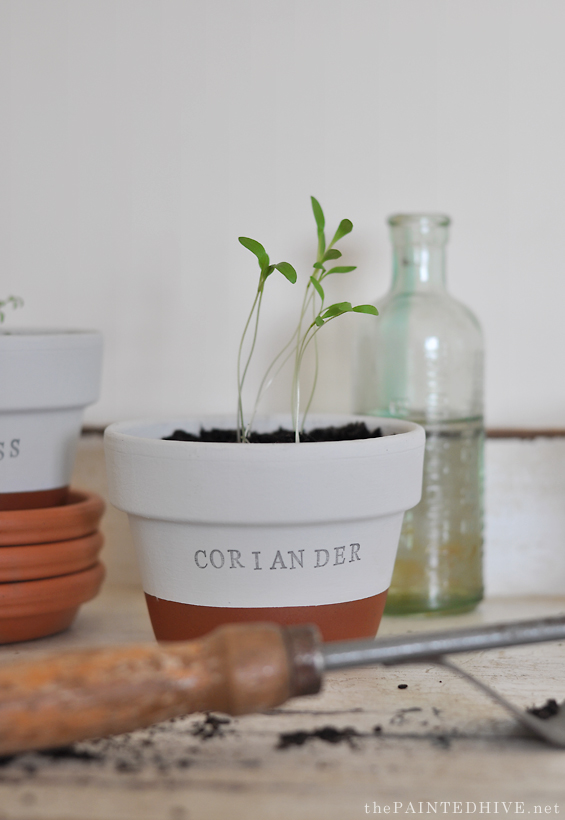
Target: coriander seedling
{"x": 312, "y": 304}
{"x": 14, "y": 301}
{"x": 266, "y": 269}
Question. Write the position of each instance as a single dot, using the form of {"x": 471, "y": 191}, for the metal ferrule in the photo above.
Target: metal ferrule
{"x": 306, "y": 663}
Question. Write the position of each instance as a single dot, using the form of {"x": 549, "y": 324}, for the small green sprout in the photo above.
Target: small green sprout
{"x": 14, "y": 301}
{"x": 312, "y": 303}
{"x": 266, "y": 269}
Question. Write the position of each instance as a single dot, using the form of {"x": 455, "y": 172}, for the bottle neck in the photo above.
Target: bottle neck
{"x": 418, "y": 242}
{"x": 418, "y": 268}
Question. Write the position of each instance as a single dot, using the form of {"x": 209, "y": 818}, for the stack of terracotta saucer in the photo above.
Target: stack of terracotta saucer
{"x": 48, "y": 565}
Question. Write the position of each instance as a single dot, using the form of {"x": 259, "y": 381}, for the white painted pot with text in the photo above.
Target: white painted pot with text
{"x": 264, "y": 529}
{"x": 47, "y": 379}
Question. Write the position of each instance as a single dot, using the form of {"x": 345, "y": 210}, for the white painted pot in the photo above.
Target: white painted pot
{"x": 47, "y": 378}
{"x": 264, "y": 525}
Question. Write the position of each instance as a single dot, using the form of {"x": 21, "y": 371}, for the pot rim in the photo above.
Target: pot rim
{"x": 230, "y": 483}
{"x": 145, "y": 435}
{"x": 25, "y": 598}
{"x": 77, "y": 518}
{"x": 38, "y": 338}
{"x": 32, "y": 562}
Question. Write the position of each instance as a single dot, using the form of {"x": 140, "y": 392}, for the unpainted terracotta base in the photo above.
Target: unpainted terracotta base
{"x": 34, "y": 500}
{"x": 78, "y": 517}
{"x": 27, "y": 563}
{"x": 172, "y": 621}
{"x": 34, "y": 609}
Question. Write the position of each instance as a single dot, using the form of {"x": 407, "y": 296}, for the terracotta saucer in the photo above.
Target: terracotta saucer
{"x": 75, "y": 519}
{"x": 31, "y": 500}
{"x": 34, "y": 609}
{"x": 48, "y": 560}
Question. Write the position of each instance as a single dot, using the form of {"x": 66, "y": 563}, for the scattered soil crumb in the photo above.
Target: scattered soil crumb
{"x": 68, "y": 753}
{"x": 329, "y": 734}
{"x": 403, "y": 686}
{"x": 165, "y": 749}
{"x": 399, "y": 717}
{"x": 548, "y": 710}
{"x": 377, "y": 729}
{"x": 210, "y": 727}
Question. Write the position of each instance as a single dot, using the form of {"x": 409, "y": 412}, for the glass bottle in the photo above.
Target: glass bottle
{"x": 422, "y": 359}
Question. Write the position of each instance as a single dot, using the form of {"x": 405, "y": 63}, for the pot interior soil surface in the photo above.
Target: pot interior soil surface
{"x": 75, "y": 519}
{"x": 173, "y": 621}
{"x": 347, "y": 432}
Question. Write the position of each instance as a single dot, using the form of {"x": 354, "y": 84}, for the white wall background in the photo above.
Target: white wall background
{"x": 139, "y": 138}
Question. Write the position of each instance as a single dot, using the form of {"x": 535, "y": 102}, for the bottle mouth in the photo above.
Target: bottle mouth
{"x": 424, "y": 222}
{"x": 419, "y": 230}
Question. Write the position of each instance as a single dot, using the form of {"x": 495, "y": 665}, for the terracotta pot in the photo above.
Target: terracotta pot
{"x": 173, "y": 621}
{"x": 48, "y": 377}
{"x": 75, "y": 519}
{"x": 34, "y": 609}
{"x": 49, "y": 560}
{"x": 289, "y": 532}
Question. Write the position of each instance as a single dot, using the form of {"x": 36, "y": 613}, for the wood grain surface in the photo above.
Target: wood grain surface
{"x": 439, "y": 739}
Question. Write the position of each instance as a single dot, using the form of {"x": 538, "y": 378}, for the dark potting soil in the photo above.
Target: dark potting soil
{"x": 348, "y": 432}
{"x": 329, "y": 734}
{"x": 164, "y": 749}
{"x": 548, "y": 710}
{"x": 211, "y": 726}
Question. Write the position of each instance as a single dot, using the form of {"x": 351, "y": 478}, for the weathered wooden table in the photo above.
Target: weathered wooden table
{"x": 415, "y": 739}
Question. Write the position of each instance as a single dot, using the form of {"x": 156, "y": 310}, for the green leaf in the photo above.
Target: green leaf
{"x": 256, "y": 248}
{"x": 318, "y": 321}
{"x": 319, "y": 289}
{"x": 318, "y": 214}
{"x": 345, "y": 227}
{"x": 320, "y": 224}
{"x": 268, "y": 271}
{"x": 287, "y": 270}
{"x": 366, "y": 309}
{"x": 342, "y": 269}
{"x": 337, "y": 310}
{"x": 318, "y": 266}
{"x": 333, "y": 253}
{"x": 15, "y": 301}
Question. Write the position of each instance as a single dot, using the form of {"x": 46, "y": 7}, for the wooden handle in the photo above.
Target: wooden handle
{"x": 73, "y": 696}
